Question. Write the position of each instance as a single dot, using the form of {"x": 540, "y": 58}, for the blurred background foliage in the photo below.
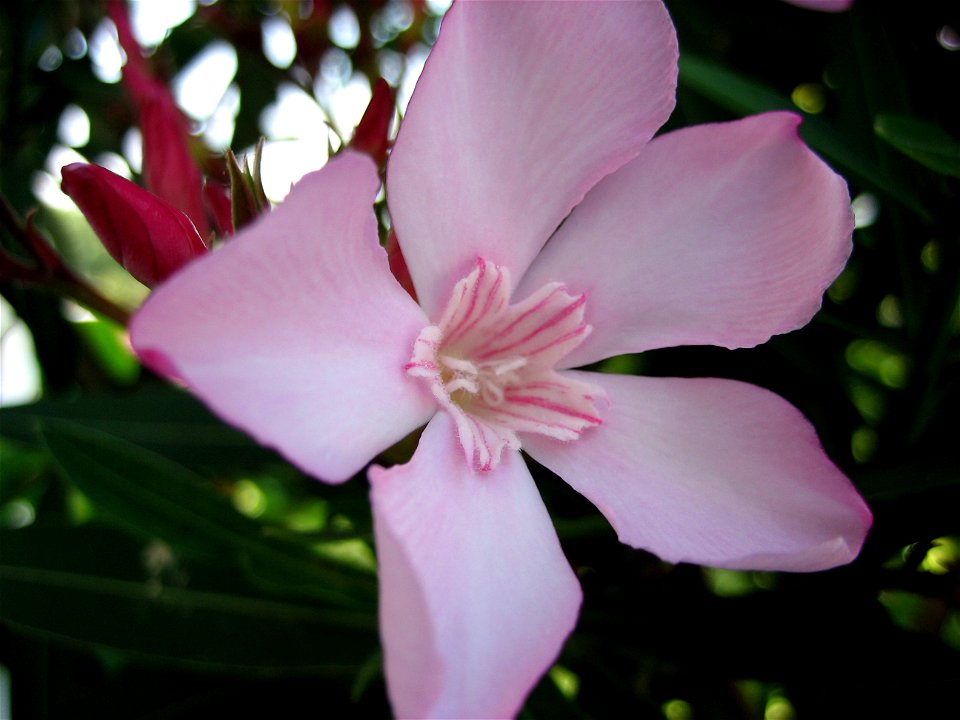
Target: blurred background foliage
{"x": 156, "y": 563}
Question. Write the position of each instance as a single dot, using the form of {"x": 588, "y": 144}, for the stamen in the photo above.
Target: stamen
{"x": 509, "y": 366}
{"x": 492, "y": 394}
{"x": 463, "y": 384}
{"x": 464, "y": 366}
{"x": 491, "y": 364}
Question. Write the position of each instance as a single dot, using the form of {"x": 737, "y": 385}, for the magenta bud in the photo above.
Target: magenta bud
{"x": 216, "y": 198}
{"x": 169, "y": 168}
{"x": 147, "y": 235}
{"x": 372, "y": 135}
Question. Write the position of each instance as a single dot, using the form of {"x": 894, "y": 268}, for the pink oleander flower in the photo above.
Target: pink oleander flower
{"x": 833, "y": 6}
{"x": 543, "y": 230}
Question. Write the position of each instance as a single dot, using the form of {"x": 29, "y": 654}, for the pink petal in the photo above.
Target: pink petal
{"x": 711, "y": 471}
{"x": 521, "y": 108}
{"x": 476, "y": 597}
{"x": 295, "y": 330}
{"x": 717, "y": 234}
{"x": 823, "y": 5}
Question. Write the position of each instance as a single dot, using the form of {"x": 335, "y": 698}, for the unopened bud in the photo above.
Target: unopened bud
{"x": 372, "y": 134}
{"x": 148, "y": 236}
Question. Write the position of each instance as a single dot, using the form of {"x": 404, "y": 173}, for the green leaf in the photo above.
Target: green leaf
{"x": 897, "y": 482}
{"x": 96, "y": 585}
{"x": 248, "y": 199}
{"x": 928, "y": 144}
{"x": 738, "y": 94}
{"x": 745, "y": 96}
{"x": 164, "y": 419}
{"x": 104, "y": 338}
{"x": 156, "y": 498}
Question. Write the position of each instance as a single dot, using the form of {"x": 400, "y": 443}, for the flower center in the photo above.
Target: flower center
{"x": 491, "y": 364}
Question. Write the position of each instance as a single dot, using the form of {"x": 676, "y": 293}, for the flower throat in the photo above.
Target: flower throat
{"x": 491, "y": 364}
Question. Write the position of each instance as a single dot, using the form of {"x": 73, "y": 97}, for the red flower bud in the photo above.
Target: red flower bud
{"x": 219, "y": 206}
{"x": 148, "y": 236}
{"x": 398, "y": 264}
{"x": 371, "y": 135}
{"x": 169, "y": 168}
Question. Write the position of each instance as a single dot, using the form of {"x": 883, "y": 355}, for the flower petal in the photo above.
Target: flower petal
{"x": 715, "y": 472}
{"x": 476, "y": 597}
{"x": 295, "y": 330}
{"x": 823, "y": 5}
{"x": 715, "y": 235}
{"x": 521, "y": 108}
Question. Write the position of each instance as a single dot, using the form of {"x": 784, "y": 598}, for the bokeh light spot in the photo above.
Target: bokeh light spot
{"x": 930, "y": 256}
{"x": 386, "y": 24}
{"x": 106, "y": 56}
{"x": 249, "y": 499}
{"x": 728, "y": 583}
{"x": 344, "y": 28}
{"x": 355, "y": 553}
{"x": 943, "y": 556}
{"x": 948, "y": 38}
{"x": 201, "y": 84}
{"x": 74, "y": 44}
{"x": 19, "y": 372}
{"x": 866, "y": 208}
{"x": 73, "y": 128}
{"x": 279, "y": 43}
{"x": 809, "y": 97}
{"x": 863, "y": 444}
{"x": 845, "y": 285}
{"x": 50, "y": 59}
{"x": 16, "y": 514}
{"x": 951, "y": 630}
{"x": 152, "y": 20}
{"x": 677, "y": 710}
{"x": 869, "y": 401}
{"x": 567, "y": 681}
{"x": 889, "y": 313}
{"x": 779, "y": 708}
{"x": 875, "y": 359}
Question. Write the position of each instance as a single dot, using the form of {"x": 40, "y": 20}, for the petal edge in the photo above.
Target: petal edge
{"x": 476, "y": 595}
{"x": 295, "y": 330}
{"x": 715, "y": 472}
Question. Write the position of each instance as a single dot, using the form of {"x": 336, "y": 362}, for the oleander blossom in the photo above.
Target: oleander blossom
{"x": 543, "y": 230}
{"x": 830, "y": 6}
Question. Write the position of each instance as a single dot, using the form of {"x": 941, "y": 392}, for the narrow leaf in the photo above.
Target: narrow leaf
{"x": 745, "y": 96}
{"x": 928, "y": 144}
{"x": 97, "y": 585}
{"x": 156, "y": 498}
{"x": 165, "y": 420}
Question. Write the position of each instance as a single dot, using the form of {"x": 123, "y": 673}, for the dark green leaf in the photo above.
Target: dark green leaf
{"x": 928, "y": 144}
{"x": 98, "y": 586}
{"x": 738, "y": 94}
{"x": 246, "y": 188}
{"x": 165, "y": 420}
{"x": 103, "y": 337}
{"x": 154, "y": 497}
{"x": 744, "y": 96}
{"x": 891, "y": 483}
